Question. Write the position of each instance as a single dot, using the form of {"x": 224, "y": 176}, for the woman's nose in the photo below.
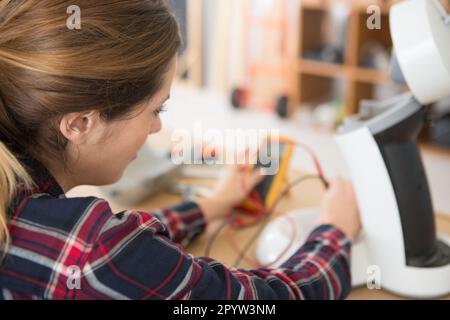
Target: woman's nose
{"x": 156, "y": 126}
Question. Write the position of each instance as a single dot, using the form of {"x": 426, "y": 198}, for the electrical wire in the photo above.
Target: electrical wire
{"x": 315, "y": 161}
{"x": 266, "y": 217}
{"x": 215, "y": 234}
{"x": 233, "y": 222}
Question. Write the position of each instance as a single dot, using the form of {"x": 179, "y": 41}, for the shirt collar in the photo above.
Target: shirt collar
{"x": 45, "y": 182}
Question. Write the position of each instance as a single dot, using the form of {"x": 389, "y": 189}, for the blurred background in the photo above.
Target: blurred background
{"x": 314, "y": 60}
{"x": 299, "y": 66}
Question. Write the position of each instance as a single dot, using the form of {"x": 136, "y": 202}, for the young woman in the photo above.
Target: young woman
{"x": 75, "y": 108}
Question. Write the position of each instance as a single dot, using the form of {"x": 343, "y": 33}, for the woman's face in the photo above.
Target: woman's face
{"x": 101, "y": 157}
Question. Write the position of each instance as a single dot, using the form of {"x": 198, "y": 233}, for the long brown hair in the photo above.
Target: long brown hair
{"x": 112, "y": 64}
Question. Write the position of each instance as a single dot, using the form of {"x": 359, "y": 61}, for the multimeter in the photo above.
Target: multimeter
{"x": 264, "y": 196}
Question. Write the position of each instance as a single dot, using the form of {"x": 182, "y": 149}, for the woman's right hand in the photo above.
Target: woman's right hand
{"x": 339, "y": 208}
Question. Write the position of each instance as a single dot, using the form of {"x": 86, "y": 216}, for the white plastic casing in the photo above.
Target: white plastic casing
{"x": 422, "y": 43}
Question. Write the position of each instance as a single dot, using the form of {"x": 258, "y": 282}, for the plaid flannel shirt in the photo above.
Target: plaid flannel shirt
{"x": 77, "y": 248}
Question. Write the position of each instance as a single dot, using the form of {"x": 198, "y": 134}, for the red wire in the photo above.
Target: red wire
{"x": 236, "y": 248}
{"x": 313, "y": 157}
{"x": 308, "y": 150}
{"x": 263, "y": 211}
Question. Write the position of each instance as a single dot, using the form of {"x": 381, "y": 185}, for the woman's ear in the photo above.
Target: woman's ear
{"x": 76, "y": 126}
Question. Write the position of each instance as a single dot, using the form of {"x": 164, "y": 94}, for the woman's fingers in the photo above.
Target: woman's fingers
{"x": 339, "y": 208}
{"x": 247, "y": 159}
{"x": 256, "y": 177}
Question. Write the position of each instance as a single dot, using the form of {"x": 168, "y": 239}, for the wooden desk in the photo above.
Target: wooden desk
{"x": 304, "y": 195}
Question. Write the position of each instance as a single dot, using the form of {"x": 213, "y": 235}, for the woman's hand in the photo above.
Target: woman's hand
{"x": 339, "y": 208}
{"x": 231, "y": 190}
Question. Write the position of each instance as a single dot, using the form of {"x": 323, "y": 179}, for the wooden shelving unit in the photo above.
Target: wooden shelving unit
{"x": 314, "y": 78}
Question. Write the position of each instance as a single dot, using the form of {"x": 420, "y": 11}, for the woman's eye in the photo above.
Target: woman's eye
{"x": 159, "y": 110}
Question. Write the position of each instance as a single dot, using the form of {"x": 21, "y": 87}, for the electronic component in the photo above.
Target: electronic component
{"x": 263, "y": 196}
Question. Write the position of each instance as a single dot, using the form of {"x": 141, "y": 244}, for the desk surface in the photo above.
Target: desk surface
{"x": 305, "y": 195}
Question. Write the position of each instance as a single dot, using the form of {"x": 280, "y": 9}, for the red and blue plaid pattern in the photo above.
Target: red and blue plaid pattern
{"x": 139, "y": 255}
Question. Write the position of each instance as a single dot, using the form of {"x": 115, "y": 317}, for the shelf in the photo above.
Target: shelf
{"x": 316, "y": 79}
{"x": 320, "y": 68}
{"x": 360, "y": 5}
{"x": 313, "y": 4}
{"x": 371, "y": 76}
{"x": 334, "y": 70}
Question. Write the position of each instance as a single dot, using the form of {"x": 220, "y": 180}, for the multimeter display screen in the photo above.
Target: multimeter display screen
{"x": 272, "y": 160}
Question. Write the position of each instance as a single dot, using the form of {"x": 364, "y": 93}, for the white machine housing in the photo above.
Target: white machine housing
{"x": 420, "y": 31}
{"x": 383, "y": 233}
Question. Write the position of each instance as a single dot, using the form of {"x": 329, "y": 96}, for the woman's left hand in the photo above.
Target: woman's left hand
{"x": 231, "y": 190}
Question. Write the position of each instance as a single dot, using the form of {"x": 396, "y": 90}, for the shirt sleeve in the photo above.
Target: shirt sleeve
{"x": 134, "y": 258}
{"x": 184, "y": 221}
